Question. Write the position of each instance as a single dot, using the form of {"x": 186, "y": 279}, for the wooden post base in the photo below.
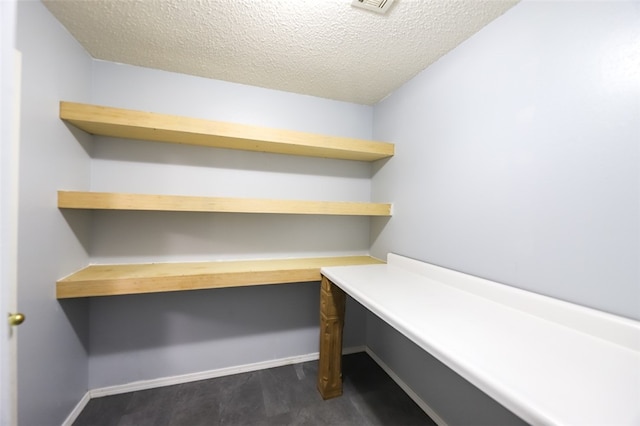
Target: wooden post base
{"x": 332, "y": 307}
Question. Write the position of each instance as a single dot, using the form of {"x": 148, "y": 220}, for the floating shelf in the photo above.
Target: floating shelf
{"x": 129, "y": 124}
{"x": 111, "y": 280}
{"x": 119, "y": 201}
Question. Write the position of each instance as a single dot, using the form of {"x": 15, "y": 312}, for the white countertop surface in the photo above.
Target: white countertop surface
{"x": 544, "y": 370}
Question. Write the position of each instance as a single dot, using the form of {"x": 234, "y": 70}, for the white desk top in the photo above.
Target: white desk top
{"x": 548, "y": 361}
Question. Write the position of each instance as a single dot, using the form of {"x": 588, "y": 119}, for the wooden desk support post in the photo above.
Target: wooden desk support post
{"x": 332, "y": 302}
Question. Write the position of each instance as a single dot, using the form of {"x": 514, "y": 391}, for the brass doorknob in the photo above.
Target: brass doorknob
{"x": 16, "y": 319}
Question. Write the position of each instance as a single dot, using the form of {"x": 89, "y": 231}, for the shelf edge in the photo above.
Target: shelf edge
{"x": 112, "y": 280}
{"x": 132, "y": 124}
{"x": 183, "y": 203}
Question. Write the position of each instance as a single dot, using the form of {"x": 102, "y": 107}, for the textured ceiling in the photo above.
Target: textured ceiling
{"x": 323, "y": 48}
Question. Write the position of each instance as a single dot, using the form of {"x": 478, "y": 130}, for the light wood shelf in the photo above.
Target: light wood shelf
{"x": 130, "y": 124}
{"x": 106, "y": 280}
{"x": 175, "y": 203}
{"x": 111, "y": 280}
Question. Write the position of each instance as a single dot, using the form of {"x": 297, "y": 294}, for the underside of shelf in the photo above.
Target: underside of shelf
{"x": 111, "y": 280}
{"x": 129, "y": 124}
{"x": 119, "y": 201}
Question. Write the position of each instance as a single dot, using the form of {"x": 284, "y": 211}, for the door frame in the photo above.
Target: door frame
{"x": 9, "y": 130}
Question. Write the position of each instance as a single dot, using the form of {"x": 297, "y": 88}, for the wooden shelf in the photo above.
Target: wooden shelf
{"x": 106, "y": 280}
{"x": 129, "y": 124}
{"x": 111, "y": 280}
{"x": 119, "y": 201}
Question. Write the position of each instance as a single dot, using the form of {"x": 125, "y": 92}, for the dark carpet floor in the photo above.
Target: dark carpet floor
{"x": 277, "y": 396}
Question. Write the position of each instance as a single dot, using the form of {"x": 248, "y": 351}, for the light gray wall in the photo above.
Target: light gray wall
{"x": 53, "y": 341}
{"x": 518, "y": 161}
{"x": 146, "y": 337}
{"x": 517, "y": 156}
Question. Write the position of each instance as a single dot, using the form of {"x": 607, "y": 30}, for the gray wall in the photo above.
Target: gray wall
{"x": 517, "y": 161}
{"x": 146, "y": 337}
{"x": 53, "y": 341}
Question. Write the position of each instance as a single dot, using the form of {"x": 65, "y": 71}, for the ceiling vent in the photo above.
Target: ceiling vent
{"x": 378, "y": 6}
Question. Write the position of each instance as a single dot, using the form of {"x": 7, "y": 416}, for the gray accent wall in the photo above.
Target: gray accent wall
{"x": 517, "y": 160}
{"x": 53, "y": 342}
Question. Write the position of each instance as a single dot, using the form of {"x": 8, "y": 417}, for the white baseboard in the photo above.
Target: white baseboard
{"x": 414, "y": 396}
{"x": 191, "y": 377}
{"x": 201, "y": 375}
{"x": 210, "y": 374}
{"x": 73, "y": 415}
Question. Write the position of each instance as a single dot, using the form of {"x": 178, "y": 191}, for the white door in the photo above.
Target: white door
{"x": 9, "y": 125}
